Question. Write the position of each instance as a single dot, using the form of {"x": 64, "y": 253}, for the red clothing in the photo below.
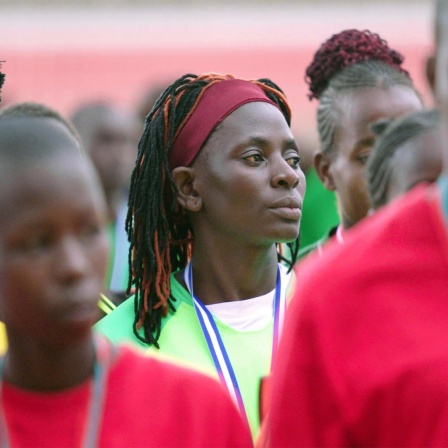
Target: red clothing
{"x": 148, "y": 404}
{"x": 365, "y": 360}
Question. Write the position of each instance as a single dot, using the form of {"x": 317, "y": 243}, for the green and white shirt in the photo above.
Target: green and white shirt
{"x": 181, "y": 338}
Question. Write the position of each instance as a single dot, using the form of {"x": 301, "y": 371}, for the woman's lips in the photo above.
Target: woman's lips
{"x": 293, "y": 214}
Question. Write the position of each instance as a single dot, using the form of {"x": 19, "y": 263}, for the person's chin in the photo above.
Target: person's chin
{"x": 78, "y": 316}
{"x": 286, "y": 235}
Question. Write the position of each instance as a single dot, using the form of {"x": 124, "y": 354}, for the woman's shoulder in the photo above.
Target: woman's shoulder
{"x": 118, "y": 325}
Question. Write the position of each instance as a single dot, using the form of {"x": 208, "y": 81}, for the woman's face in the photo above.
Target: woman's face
{"x": 53, "y": 241}
{"x": 418, "y": 160}
{"x": 249, "y": 179}
{"x": 354, "y": 140}
{"x": 113, "y": 150}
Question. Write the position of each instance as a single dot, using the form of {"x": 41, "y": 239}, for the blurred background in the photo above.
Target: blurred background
{"x": 68, "y": 52}
{"x": 64, "y": 52}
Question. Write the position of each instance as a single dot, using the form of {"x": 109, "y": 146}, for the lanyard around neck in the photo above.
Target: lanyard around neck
{"x": 103, "y": 359}
{"x": 215, "y": 343}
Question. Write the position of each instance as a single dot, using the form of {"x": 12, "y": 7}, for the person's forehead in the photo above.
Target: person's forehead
{"x": 251, "y": 115}
{"x": 13, "y": 172}
{"x": 376, "y": 102}
{"x": 426, "y": 147}
{"x": 115, "y": 127}
{"x": 416, "y": 155}
{"x": 250, "y": 123}
{"x": 29, "y": 187}
{"x": 363, "y": 107}
{"x": 114, "y": 117}
{"x": 33, "y": 145}
{"x": 30, "y": 138}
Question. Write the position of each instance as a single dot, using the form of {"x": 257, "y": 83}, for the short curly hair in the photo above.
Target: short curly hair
{"x": 345, "y": 49}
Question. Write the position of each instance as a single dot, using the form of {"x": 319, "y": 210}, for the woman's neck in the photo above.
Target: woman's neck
{"x": 33, "y": 366}
{"x": 225, "y": 274}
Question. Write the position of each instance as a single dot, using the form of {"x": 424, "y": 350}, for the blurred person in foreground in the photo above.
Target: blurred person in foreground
{"x": 366, "y": 359}
{"x": 60, "y": 386}
{"x": 109, "y": 135}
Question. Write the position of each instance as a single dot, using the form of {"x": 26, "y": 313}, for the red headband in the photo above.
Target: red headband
{"x": 217, "y": 102}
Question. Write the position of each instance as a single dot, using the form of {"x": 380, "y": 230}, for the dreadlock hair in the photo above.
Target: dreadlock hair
{"x": 392, "y": 136}
{"x": 348, "y": 61}
{"x": 160, "y": 234}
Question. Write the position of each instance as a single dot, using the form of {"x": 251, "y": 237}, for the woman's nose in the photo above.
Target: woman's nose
{"x": 285, "y": 175}
{"x": 72, "y": 261}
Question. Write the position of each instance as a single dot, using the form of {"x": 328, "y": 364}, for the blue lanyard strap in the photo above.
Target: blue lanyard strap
{"x": 103, "y": 359}
{"x": 214, "y": 341}
{"x": 279, "y": 312}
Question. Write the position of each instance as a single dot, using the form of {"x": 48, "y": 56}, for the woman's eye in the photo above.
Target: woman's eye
{"x": 294, "y": 162}
{"x": 362, "y": 158}
{"x": 89, "y": 231}
{"x": 36, "y": 245}
{"x": 255, "y": 158}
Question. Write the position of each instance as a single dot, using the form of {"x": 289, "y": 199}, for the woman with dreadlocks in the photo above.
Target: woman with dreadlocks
{"x": 216, "y": 187}
{"x": 357, "y": 79}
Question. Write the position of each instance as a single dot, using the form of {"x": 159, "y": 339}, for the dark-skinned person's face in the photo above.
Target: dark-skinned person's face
{"x": 53, "y": 246}
{"x": 249, "y": 178}
{"x": 418, "y": 160}
{"x": 343, "y": 170}
{"x": 113, "y": 150}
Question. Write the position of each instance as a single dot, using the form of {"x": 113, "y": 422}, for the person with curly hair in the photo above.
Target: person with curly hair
{"x": 365, "y": 362}
{"x": 357, "y": 79}
{"x": 216, "y": 190}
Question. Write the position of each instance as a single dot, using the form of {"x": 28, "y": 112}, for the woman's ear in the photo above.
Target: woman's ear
{"x": 188, "y": 197}
{"x": 322, "y": 165}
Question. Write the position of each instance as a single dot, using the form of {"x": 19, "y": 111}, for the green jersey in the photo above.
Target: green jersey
{"x": 182, "y": 339}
